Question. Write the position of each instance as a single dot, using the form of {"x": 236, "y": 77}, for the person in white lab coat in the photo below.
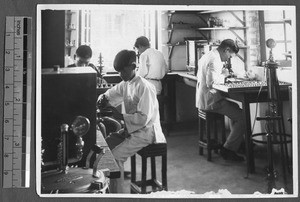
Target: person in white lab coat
{"x": 83, "y": 56}
{"x": 140, "y": 114}
{"x": 210, "y": 71}
{"x": 152, "y": 65}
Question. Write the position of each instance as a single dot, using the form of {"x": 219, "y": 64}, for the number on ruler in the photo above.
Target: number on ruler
{"x": 9, "y": 58}
{"x": 8, "y": 126}
{"x": 8, "y": 75}
{"x": 17, "y": 44}
{"x": 9, "y": 94}
{"x": 8, "y": 110}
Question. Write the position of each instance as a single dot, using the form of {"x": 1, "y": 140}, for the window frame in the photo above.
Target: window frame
{"x": 262, "y": 30}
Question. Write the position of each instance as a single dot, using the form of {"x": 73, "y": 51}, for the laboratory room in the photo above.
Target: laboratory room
{"x": 166, "y": 101}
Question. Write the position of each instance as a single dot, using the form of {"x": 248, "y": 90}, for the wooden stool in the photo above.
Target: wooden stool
{"x": 152, "y": 151}
{"x": 208, "y": 121}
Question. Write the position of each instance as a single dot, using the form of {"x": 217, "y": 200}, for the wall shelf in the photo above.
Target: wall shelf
{"x": 232, "y": 29}
{"x": 71, "y": 29}
{"x": 172, "y": 46}
{"x": 205, "y": 31}
{"x": 70, "y": 32}
{"x": 182, "y": 43}
{"x": 235, "y": 30}
{"x": 289, "y": 21}
{"x": 179, "y": 26}
{"x": 216, "y": 11}
{"x": 221, "y": 28}
{"x": 69, "y": 46}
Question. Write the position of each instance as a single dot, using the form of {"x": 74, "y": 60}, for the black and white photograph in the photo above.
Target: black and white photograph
{"x": 149, "y": 100}
{"x": 193, "y": 101}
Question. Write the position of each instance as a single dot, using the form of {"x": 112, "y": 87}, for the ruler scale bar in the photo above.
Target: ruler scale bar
{"x": 17, "y": 102}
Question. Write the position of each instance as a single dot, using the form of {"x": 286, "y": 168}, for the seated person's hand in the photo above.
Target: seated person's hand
{"x": 115, "y": 113}
{"x": 102, "y": 102}
{"x": 124, "y": 132}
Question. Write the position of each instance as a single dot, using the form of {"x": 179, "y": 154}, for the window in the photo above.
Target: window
{"x": 117, "y": 29}
{"x": 85, "y": 27}
{"x": 276, "y": 24}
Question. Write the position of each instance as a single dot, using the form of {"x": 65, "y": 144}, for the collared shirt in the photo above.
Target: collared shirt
{"x": 153, "y": 67}
{"x": 210, "y": 71}
{"x": 141, "y": 111}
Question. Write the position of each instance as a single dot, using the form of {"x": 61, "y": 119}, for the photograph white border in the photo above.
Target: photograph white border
{"x": 41, "y": 7}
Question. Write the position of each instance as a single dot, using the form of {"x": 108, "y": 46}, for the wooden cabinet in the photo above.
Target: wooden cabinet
{"x": 53, "y": 38}
{"x": 67, "y": 93}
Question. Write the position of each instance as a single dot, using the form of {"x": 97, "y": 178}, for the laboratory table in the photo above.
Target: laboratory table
{"x": 244, "y": 95}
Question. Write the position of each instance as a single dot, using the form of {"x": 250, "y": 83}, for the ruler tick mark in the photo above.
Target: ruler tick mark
{"x": 15, "y": 89}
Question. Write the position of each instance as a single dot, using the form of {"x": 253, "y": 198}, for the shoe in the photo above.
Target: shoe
{"x": 242, "y": 149}
{"x": 127, "y": 175}
{"x": 230, "y": 155}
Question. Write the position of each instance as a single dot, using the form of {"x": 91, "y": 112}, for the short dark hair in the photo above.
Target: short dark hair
{"x": 123, "y": 59}
{"x": 229, "y": 43}
{"x": 142, "y": 41}
{"x": 84, "y": 51}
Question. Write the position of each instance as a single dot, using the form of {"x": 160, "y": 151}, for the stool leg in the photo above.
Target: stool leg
{"x": 215, "y": 128}
{"x": 200, "y": 129}
{"x": 133, "y": 174}
{"x": 208, "y": 120}
{"x": 164, "y": 172}
{"x": 153, "y": 171}
{"x": 133, "y": 169}
{"x": 144, "y": 175}
{"x": 223, "y": 130}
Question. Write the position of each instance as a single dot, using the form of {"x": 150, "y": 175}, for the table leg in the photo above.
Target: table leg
{"x": 248, "y": 134}
{"x": 170, "y": 92}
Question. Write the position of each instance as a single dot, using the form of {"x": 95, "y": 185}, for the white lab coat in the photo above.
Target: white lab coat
{"x": 141, "y": 115}
{"x": 210, "y": 71}
{"x": 152, "y": 66}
